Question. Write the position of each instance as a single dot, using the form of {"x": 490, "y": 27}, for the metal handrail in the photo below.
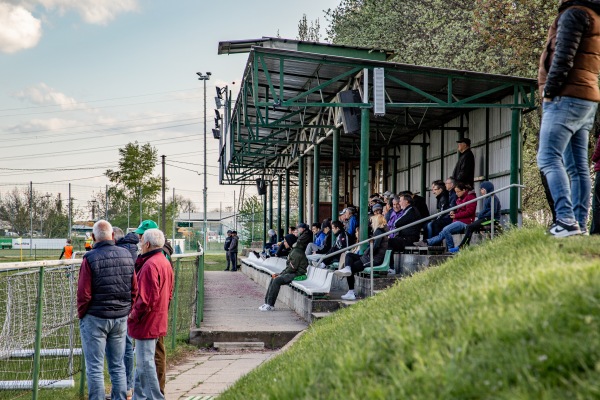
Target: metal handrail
{"x": 419, "y": 222}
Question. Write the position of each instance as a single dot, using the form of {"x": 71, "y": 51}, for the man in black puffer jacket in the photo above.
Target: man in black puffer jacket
{"x": 568, "y": 84}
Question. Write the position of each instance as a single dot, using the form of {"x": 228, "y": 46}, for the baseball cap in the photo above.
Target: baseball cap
{"x": 145, "y": 225}
{"x": 376, "y": 207}
{"x": 229, "y": 231}
{"x": 303, "y": 225}
{"x": 387, "y": 193}
{"x": 466, "y": 141}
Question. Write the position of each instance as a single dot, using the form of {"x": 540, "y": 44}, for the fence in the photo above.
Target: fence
{"x": 40, "y": 345}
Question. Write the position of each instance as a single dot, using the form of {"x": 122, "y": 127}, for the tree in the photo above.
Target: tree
{"x": 308, "y": 32}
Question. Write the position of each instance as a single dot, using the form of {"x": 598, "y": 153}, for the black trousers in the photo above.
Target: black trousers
{"x": 233, "y": 257}
{"x": 356, "y": 265}
{"x": 473, "y": 227}
{"x": 397, "y": 244}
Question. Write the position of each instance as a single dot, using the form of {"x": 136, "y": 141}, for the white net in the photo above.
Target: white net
{"x": 60, "y": 348}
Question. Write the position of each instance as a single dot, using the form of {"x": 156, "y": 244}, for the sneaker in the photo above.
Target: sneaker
{"x": 421, "y": 243}
{"x": 346, "y": 271}
{"x": 266, "y": 307}
{"x": 322, "y": 266}
{"x": 349, "y": 296}
{"x": 226, "y": 269}
{"x": 454, "y": 250}
{"x": 391, "y": 271}
{"x": 564, "y": 229}
{"x": 584, "y": 232}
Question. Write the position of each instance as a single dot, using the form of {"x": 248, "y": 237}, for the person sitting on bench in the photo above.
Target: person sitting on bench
{"x": 461, "y": 217}
{"x": 407, "y": 215}
{"x": 286, "y": 246}
{"x": 483, "y": 217}
{"x": 341, "y": 242}
{"x": 319, "y": 239}
{"x": 296, "y": 265}
{"x": 356, "y": 263}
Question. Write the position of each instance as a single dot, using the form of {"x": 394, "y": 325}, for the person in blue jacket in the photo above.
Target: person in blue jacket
{"x": 484, "y": 217}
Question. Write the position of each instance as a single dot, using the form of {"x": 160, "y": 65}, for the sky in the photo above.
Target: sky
{"x": 82, "y": 78}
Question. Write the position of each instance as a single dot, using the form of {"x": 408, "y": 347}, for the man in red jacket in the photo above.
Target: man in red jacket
{"x": 461, "y": 217}
{"x": 149, "y": 316}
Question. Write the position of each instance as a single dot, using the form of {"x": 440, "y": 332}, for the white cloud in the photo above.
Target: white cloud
{"x": 44, "y": 95}
{"x": 41, "y": 125}
{"x": 19, "y": 29}
{"x": 98, "y": 12}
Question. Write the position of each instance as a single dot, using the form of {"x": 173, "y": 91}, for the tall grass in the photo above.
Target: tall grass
{"x": 518, "y": 318}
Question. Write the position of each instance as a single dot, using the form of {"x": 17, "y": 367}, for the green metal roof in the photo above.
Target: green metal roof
{"x": 288, "y": 101}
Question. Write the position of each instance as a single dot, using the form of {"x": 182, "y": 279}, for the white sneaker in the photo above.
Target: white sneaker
{"x": 391, "y": 271}
{"x": 346, "y": 271}
{"x": 266, "y": 307}
{"x": 563, "y": 229}
{"x": 349, "y": 296}
{"x": 322, "y": 265}
{"x": 261, "y": 308}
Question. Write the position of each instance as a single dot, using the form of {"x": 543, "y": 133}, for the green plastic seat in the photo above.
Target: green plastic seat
{"x": 385, "y": 265}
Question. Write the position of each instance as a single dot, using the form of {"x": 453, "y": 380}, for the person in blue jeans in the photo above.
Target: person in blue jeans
{"x": 106, "y": 288}
{"x": 568, "y": 85}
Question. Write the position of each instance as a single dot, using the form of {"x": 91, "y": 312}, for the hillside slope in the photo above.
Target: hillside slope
{"x": 518, "y": 318}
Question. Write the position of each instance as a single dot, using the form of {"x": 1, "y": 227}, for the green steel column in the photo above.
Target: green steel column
{"x": 301, "y": 189}
{"x": 394, "y": 172}
{"x": 364, "y": 173}
{"x": 271, "y": 205}
{"x": 38, "y": 334}
{"x": 515, "y": 145}
{"x": 200, "y": 291}
{"x": 279, "y": 192}
{"x": 409, "y": 173}
{"x": 335, "y": 176}
{"x": 442, "y": 151}
{"x": 423, "y": 167}
{"x": 287, "y": 202}
{"x": 264, "y": 196}
{"x": 316, "y": 178}
{"x": 175, "y": 305}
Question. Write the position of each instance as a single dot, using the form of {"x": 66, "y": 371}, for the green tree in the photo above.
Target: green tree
{"x": 306, "y": 32}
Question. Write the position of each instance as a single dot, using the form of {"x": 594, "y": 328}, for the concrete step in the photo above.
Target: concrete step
{"x": 320, "y": 315}
{"x": 239, "y": 346}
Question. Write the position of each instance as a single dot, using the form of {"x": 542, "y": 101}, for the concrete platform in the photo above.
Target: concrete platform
{"x": 231, "y": 301}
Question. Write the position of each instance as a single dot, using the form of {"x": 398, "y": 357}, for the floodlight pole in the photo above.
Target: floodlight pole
{"x": 204, "y": 78}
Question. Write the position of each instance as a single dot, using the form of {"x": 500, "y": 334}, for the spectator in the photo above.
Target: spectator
{"x": 464, "y": 171}
{"x": 228, "y": 240}
{"x": 149, "y": 315}
{"x": 568, "y": 84}
{"x": 484, "y": 217}
{"x": 88, "y": 242}
{"x": 106, "y": 289}
{"x": 394, "y": 214}
{"x": 130, "y": 243}
{"x": 443, "y": 203}
{"x": 233, "y": 250}
{"x": 286, "y": 246}
{"x": 407, "y": 215}
{"x": 341, "y": 242}
{"x": 319, "y": 240}
{"x": 351, "y": 224}
{"x": 450, "y": 185}
{"x": 388, "y": 208}
{"x": 67, "y": 250}
{"x": 295, "y": 266}
{"x": 293, "y": 230}
{"x": 356, "y": 263}
{"x": 461, "y": 218}
{"x": 304, "y": 236}
{"x": 387, "y": 195}
{"x": 272, "y": 239}
{"x": 377, "y": 209}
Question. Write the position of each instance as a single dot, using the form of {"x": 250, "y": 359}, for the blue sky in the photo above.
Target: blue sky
{"x": 81, "y": 78}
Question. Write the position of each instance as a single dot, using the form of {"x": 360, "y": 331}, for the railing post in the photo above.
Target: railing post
{"x": 372, "y": 266}
{"x": 200, "y": 292}
{"x": 38, "y": 334}
{"x": 82, "y": 380}
{"x": 175, "y": 305}
{"x": 493, "y": 218}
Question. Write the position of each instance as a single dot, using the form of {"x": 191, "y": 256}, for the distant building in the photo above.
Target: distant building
{"x": 217, "y": 222}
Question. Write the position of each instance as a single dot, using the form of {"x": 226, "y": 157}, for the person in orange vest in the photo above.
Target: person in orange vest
{"x": 67, "y": 250}
{"x": 88, "y": 242}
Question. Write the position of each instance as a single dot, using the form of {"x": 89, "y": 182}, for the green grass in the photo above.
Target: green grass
{"x": 518, "y": 318}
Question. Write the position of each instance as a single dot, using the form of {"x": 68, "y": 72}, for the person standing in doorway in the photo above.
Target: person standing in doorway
{"x": 226, "y": 248}
{"x": 568, "y": 85}
{"x": 233, "y": 250}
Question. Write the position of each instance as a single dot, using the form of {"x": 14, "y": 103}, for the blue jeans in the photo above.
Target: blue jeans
{"x": 563, "y": 155}
{"x": 146, "y": 381}
{"x": 100, "y": 335}
{"x": 128, "y": 359}
{"x": 446, "y": 233}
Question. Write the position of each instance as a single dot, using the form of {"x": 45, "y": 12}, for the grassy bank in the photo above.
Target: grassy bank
{"x": 518, "y": 318}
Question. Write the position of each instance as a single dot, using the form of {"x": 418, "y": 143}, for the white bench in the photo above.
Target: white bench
{"x": 318, "y": 282}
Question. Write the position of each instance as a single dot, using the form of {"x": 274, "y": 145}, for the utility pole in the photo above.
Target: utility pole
{"x": 163, "y": 224}
{"x": 174, "y": 211}
{"x": 204, "y": 78}
{"x": 141, "y": 206}
{"x": 70, "y": 213}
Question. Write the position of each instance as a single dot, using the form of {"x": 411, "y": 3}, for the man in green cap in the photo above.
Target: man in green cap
{"x": 160, "y": 355}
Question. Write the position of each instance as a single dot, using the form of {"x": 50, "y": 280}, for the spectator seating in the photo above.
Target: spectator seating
{"x": 317, "y": 283}
{"x": 384, "y": 267}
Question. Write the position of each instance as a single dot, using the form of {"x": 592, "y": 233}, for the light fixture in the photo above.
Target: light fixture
{"x": 217, "y": 115}
{"x": 216, "y": 133}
